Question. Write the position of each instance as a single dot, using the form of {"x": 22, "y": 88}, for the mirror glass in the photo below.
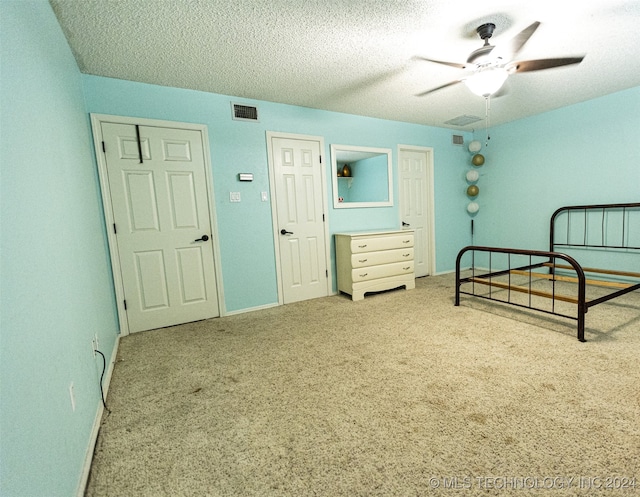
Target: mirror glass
{"x": 361, "y": 176}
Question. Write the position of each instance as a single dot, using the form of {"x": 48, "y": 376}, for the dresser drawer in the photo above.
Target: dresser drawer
{"x": 383, "y": 257}
{"x": 374, "y": 244}
{"x": 383, "y": 271}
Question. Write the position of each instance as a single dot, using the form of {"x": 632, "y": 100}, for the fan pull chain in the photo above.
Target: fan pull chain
{"x": 487, "y": 123}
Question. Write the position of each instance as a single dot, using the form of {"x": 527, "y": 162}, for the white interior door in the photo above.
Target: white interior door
{"x": 299, "y": 203}
{"x": 163, "y": 229}
{"x": 416, "y": 203}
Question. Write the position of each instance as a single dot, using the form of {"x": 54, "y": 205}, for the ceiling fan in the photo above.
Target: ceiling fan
{"x": 491, "y": 65}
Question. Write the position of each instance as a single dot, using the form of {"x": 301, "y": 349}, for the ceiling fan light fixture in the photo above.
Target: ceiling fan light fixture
{"x": 486, "y": 82}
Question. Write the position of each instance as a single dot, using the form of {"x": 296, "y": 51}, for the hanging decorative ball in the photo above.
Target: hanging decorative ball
{"x": 477, "y": 160}
{"x": 472, "y": 176}
{"x": 475, "y": 146}
{"x": 346, "y": 171}
{"x": 473, "y": 191}
{"x": 473, "y": 207}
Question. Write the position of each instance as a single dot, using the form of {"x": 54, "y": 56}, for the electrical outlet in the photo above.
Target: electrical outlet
{"x": 73, "y": 397}
{"x": 94, "y": 346}
{"x": 96, "y": 342}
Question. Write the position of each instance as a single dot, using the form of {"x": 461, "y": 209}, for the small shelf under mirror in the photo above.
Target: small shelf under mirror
{"x": 347, "y": 179}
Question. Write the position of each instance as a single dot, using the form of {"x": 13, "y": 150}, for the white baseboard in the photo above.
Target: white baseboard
{"x": 86, "y": 469}
{"x": 448, "y": 271}
{"x": 251, "y": 309}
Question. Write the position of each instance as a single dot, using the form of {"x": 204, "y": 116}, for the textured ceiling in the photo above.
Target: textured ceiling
{"x": 356, "y": 56}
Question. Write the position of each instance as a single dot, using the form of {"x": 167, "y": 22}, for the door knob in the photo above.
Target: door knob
{"x": 285, "y": 232}
{"x": 203, "y": 239}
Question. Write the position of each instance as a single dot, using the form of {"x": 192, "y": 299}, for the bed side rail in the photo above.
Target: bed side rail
{"x": 494, "y": 267}
{"x": 610, "y": 226}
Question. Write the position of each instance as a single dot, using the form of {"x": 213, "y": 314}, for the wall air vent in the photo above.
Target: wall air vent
{"x": 457, "y": 140}
{"x": 244, "y": 112}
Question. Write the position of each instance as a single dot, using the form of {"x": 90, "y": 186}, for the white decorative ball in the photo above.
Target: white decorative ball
{"x": 475, "y": 146}
{"x": 472, "y": 176}
{"x": 473, "y": 207}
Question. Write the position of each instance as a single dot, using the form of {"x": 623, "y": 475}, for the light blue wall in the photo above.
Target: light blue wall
{"x": 587, "y": 153}
{"x": 245, "y": 228}
{"x": 56, "y": 286}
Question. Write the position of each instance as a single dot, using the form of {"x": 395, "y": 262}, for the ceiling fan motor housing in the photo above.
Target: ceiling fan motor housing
{"x": 486, "y": 31}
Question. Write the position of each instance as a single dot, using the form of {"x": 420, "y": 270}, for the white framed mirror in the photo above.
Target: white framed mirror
{"x": 362, "y": 177}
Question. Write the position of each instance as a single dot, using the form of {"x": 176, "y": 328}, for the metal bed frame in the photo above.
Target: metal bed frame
{"x": 605, "y": 227}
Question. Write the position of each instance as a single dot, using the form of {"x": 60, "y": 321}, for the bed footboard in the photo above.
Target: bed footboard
{"x": 502, "y": 274}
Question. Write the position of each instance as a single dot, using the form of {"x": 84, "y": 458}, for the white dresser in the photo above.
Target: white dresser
{"x": 372, "y": 261}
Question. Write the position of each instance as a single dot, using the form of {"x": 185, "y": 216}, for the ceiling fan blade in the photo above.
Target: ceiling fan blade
{"x": 509, "y": 49}
{"x": 439, "y": 87}
{"x": 452, "y": 64}
{"x": 540, "y": 64}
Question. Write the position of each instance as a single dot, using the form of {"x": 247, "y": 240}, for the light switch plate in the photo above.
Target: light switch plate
{"x": 234, "y": 196}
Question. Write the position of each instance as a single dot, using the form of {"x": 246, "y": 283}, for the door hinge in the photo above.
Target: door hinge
{"x": 104, "y": 150}
{"x": 115, "y": 231}
{"x": 326, "y": 272}
{"x": 323, "y": 218}
{"x": 125, "y": 304}
{"x": 321, "y": 159}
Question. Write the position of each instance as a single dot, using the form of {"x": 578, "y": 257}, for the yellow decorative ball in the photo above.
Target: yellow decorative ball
{"x": 473, "y": 190}
{"x": 477, "y": 160}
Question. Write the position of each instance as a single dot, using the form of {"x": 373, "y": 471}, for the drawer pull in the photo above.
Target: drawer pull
{"x": 363, "y": 260}
{"x": 362, "y": 246}
{"x": 406, "y": 255}
{"x": 406, "y": 268}
{"x": 363, "y": 275}
{"x": 406, "y": 241}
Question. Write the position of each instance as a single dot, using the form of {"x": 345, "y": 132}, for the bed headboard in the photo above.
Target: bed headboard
{"x": 604, "y": 226}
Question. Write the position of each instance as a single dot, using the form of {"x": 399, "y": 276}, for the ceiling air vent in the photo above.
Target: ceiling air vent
{"x": 457, "y": 140}
{"x": 462, "y": 120}
{"x": 244, "y": 112}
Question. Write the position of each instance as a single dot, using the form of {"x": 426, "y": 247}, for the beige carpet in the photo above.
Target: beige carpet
{"x": 401, "y": 394}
